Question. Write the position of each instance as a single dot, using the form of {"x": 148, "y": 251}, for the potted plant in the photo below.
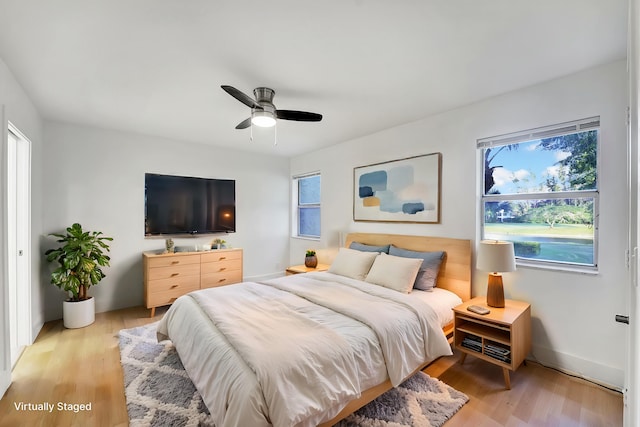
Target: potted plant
{"x": 80, "y": 257}
{"x": 310, "y": 259}
{"x": 218, "y": 243}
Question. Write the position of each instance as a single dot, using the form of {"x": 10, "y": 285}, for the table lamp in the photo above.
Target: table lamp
{"x": 496, "y": 257}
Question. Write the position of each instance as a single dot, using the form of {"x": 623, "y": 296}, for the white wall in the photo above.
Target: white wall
{"x": 19, "y": 110}
{"x": 96, "y": 177}
{"x": 573, "y": 314}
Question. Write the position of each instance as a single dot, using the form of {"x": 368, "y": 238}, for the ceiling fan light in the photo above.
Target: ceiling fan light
{"x": 263, "y": 119}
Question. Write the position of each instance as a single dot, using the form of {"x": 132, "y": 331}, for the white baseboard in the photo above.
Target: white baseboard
{"x": 604, "y": 375}
{"x": 5, "y": 382}
{"x": 35, "y": 331}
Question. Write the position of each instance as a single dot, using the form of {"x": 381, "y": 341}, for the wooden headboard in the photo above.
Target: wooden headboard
{"x": 455, "y": 271}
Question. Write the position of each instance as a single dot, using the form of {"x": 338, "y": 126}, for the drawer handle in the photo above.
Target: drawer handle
{"x": 174, "y": 286}
{"x": 222, "y": 268}
{"x": 222, "y": 280}
{"x": 222, "y": 258}
{"x": 175, "y": 274}
{"x": 175, "y": 262}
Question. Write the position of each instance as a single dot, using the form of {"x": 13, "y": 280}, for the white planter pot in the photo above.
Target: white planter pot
{"x": 78, "y": 314}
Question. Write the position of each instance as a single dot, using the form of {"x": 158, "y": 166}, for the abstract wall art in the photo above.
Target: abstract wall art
{"x": 403, "y": 190}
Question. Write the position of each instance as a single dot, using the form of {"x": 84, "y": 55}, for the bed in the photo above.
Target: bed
{"x": 309, "y": 349}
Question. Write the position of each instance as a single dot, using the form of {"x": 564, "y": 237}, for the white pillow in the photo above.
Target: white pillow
{"x": 394, "y": 272}
{"x": 352, "y": 263}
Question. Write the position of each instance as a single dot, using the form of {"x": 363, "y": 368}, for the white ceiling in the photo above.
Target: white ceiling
{"x": 155, "y": 66}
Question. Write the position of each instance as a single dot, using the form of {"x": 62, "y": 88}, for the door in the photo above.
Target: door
{"x": 18, "y": 240}
{"x": 632, "y": 377}
{"x": 5, "y": 355}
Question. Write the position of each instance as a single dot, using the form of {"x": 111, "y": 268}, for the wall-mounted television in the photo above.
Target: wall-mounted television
{"x": 188, "y": 205}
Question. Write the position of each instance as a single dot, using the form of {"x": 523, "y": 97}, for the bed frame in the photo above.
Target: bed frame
{"x": 454, "y": 276}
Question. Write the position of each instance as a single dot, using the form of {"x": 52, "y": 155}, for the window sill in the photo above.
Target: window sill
{"x": 541, "y": 265}
{"x": 313, "y": 239}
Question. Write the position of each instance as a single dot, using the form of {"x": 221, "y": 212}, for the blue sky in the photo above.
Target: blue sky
{"x": 529, "y": 165}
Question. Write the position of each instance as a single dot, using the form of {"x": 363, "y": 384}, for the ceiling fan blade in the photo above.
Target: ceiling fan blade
{"x": 245, "y": 99}
{"x": 299, "y": 116}
{"x": 244, "y": 124}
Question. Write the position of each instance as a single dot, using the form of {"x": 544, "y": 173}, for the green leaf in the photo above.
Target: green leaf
{"x": 88, "y": 265}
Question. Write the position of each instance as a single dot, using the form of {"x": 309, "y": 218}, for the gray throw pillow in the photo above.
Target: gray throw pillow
{"x": 369, "y": 248}
{"x": 428, "y": 274}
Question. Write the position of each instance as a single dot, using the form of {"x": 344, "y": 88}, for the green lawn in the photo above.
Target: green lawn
{"x": 542, "y": 230}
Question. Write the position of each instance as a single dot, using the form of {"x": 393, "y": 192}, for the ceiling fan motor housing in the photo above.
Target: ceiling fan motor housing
{"x": 264, "y": 94}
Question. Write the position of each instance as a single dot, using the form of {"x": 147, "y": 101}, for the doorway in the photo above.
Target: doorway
{"x": 18, "y": 240}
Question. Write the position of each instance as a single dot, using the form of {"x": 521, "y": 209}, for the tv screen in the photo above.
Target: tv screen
{"x": 188, "y": 205}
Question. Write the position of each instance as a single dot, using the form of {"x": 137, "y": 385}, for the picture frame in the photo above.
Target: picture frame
{"x": 404, "y": 190}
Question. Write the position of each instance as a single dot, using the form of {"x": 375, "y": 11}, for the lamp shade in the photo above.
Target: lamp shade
{"x": 496, "y": 256}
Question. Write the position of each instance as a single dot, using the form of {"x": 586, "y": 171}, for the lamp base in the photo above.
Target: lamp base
{"x": 495, "y": 291}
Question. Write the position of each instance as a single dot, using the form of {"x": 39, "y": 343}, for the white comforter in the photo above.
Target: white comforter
{"x": 295, "y": 350}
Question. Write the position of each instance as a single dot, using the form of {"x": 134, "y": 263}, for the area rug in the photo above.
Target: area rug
{"x": 159, "y": 392}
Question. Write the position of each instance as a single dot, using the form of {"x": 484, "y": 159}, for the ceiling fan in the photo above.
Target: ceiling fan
{"x": 263, "y": 112}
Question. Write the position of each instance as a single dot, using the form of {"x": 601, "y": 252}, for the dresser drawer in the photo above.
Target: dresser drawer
{"x": 210, "y": 280}
{"x": 221, "y": 255}
{"x": 221, "y": 266}
{"x": 173, "y": 271}
{"x": 172, "y": 260}
{"x": 165, "y": 291}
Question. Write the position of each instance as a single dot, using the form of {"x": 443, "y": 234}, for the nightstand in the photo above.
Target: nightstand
{"x": 502, "y": 337}
{"x": 298, "y": 269}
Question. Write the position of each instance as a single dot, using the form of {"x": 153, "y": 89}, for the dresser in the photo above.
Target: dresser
{"x": 168, "y": 276}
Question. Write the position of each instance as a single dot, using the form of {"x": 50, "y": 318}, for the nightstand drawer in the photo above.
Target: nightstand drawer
{"x": 211, "y": 280}
{"x": 173, "y": 271}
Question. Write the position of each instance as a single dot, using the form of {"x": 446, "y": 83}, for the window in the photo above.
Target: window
{"x": 540, "y": 191}
{"x": 307, "y": 203}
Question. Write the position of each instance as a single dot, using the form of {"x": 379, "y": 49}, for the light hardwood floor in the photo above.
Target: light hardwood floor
{"x": 83, "y": 366}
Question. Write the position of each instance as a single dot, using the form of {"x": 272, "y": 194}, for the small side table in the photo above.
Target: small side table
{"x": 299, "y": 269}
{"x": 502, "y": 337}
